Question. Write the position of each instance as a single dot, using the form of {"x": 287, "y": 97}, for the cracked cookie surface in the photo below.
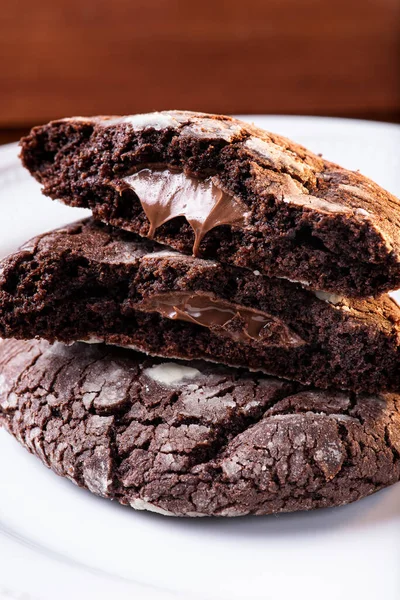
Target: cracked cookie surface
{"x": 225, "y": 190}
{"x": 194, "y": 439}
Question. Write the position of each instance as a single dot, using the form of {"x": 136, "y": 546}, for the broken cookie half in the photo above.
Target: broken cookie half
{"x": 219, "y": 188}
{"x": 91, "y": 282}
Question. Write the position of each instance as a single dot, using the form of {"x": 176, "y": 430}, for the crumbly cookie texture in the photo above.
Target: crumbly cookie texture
{"x": 217, "y": 442}
{"x": 91, "y": 282}
{"x": 225, "y": 190}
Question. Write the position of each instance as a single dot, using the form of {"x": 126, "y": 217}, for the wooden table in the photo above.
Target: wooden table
{"x": 260, "y": 56}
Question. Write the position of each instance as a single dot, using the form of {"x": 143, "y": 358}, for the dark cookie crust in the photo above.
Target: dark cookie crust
{"x": 88, "y": 280}
{"x": 221, "y": 442}
{"x": 345, "y": 238}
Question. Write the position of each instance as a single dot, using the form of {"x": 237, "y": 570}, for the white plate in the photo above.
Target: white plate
{"x": 60, "y": 542}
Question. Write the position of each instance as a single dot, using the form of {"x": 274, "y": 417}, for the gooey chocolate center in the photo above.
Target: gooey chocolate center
{"x": 165, "y": 195}
{"x": 239, "y": 322}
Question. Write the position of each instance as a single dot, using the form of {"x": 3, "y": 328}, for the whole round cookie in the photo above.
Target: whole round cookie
{"x": 194, "y": 439}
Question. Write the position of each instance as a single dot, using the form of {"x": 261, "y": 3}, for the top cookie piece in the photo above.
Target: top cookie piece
{"x": 225, "y": 190}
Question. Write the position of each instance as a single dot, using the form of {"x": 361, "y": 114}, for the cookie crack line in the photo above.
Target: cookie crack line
{"x": 15, "y": 383}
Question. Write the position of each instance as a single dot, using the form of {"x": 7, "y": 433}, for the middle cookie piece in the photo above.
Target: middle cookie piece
{"x": 90, "y": 282}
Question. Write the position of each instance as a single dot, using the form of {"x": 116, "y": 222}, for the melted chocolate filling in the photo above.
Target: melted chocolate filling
{"x": 165, "y": 195}
{"x": 239, "y": 322}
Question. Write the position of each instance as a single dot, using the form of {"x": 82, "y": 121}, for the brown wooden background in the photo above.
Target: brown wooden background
{"x": 66, "y": 57}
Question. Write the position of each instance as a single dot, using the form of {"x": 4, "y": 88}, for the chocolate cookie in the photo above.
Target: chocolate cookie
{"x": 225, "y": 190}
{"x": 91, "y": 282}
{"x": 194, "y": 438}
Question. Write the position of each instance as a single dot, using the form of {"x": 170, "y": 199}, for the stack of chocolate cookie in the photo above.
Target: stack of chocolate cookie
{"x": 232, "y": 255}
